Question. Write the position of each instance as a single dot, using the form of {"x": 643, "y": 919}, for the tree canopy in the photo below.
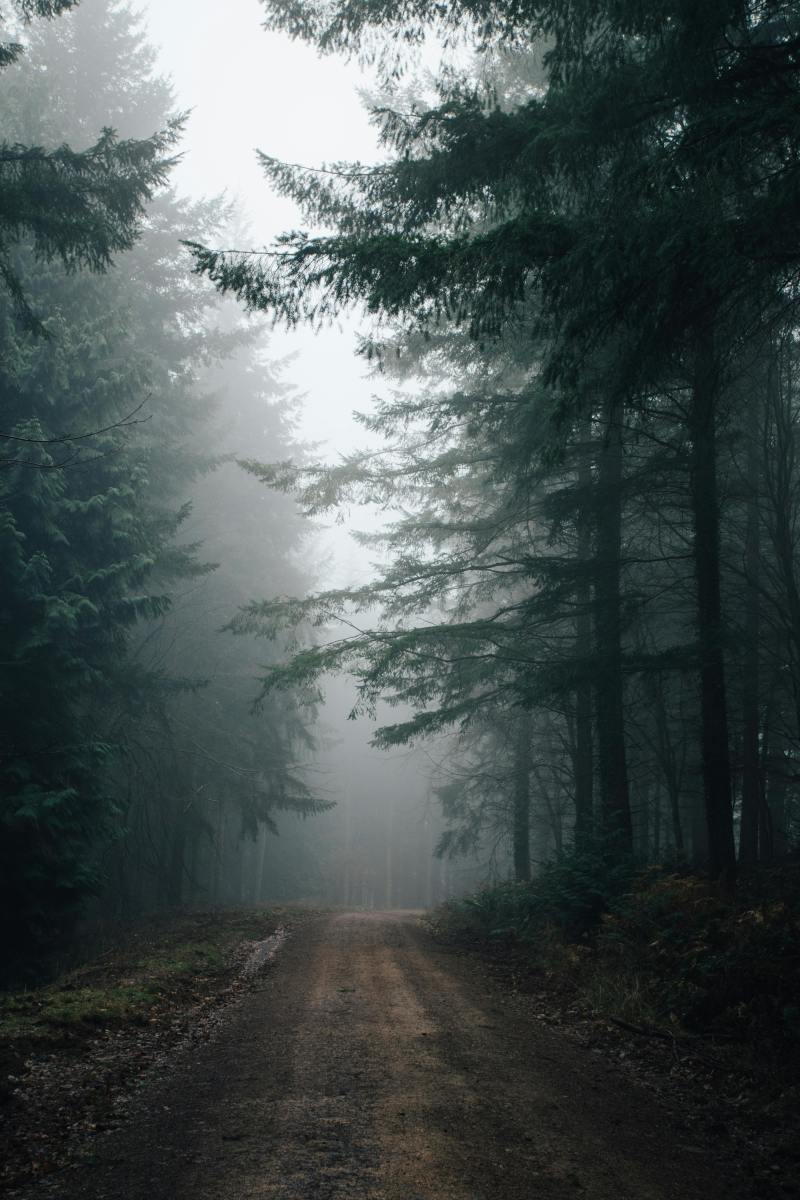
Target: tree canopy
{"x": 628, "y": 216}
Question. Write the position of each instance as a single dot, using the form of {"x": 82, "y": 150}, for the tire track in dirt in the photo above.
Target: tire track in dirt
{"x": 368, "y": 1062}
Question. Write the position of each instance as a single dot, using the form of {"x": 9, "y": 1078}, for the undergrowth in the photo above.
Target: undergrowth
{"x": 152, "y": 968}
{"x": 657, "y": 947}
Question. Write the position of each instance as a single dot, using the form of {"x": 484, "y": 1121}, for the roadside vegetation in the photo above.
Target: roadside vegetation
{"x": 147, "y": 973}
{"x": 693, "y": 992}
{"x": 660, "y": 949}
{"x": 134, "y": 776}
{"x": 74, "y": 1052}
{"x": 578, "y": 260}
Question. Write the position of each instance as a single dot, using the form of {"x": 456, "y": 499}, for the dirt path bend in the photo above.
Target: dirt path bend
{"x": 368, "y": 1062}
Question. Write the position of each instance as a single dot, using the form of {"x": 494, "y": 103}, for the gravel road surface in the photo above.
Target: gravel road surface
{"x": 367, "y": 1061}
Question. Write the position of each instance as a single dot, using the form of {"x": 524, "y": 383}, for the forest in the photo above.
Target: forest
{"x": 557, "y": 704}
{"x": 596, "y": 303}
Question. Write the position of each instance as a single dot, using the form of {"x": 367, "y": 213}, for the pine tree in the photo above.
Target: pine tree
{"x": 90, "y": 544}
{"x": 640, "y": 197}
{"x": 77, "y": 207}
{"x": 121, "y": 706}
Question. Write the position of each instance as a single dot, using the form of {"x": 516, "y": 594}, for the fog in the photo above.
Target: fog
{"x": 399, "y": 596}
{"x": 289, "y": 622}
{"x": 246, "y": 88}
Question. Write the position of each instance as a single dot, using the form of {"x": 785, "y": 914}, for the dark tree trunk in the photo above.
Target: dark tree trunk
{"x": 522, "y": 799}
{"x": 641, "y": 813}
{"x": 176, "y": 864}
{"x": 776, "y": 842}
{"x": 584, "y": 767}
{"x": 610, "y": 716}
{"x": 657, "y": 823}
{"x": 584, "y": 740}
{"x": 773, "y": 840}
{"x": 751, "y": 764}
{"x": 715, "y": 749}
{"x": 781, "y": 468}
{"x": 669, "y": 764}
{"x": 220, "y": 849}
{"x": 677, "y": 825}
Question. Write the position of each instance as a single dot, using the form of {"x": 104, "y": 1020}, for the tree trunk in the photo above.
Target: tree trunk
{"x": 610, "y": 716}
{"x": 780, "y": 466}
{"x": 773, "y": 839}
{"x": 219, "y": 854}
{"x": 669, "y": 765}
{"x": 657, "y": 823}
{"x": 348, "y": 846}
{"x": 640, "y": 814}
{"x": 715, "y": 751}
{"x": 390, "y": 855}
{"x": 262, "y": 865}
{"x": 751, "y": 765}
{"x": 429, "y": 849}
{"x": 522, "y": 799}
{"x": 175, "y": 865}
{"x": 584, "y": 742}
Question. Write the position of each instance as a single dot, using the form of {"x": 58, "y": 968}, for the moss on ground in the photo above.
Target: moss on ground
{"x": 151, "y": 969}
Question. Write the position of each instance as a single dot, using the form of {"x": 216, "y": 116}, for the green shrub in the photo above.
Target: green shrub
{"x": 571, "y": 894}
{"x": 574, "y": 891}
{"x": 666, "y": 947}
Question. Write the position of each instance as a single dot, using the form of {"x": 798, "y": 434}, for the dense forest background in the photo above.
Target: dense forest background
{"x": 133, "y": 768}
{"x": 142, "y": 769}
{"x": 577, "y": 272}
{"x": 578, "y": 258}
{"x": 546, "y": 702}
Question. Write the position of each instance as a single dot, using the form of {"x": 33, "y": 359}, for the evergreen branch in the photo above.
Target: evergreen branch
{"x": 353, "y": 172}
{"x": 66, "y": 438}
{"x": 428, "y": 278}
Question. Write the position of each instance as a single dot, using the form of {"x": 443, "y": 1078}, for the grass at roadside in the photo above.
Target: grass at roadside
{"x": 74, "y": 1052}
{"x": 154, "y": 968}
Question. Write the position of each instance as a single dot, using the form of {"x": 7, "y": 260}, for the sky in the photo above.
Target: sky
{"x": 251, "y": 89}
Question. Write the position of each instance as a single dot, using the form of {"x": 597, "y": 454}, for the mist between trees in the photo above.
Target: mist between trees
{"x": 578, "y": 272}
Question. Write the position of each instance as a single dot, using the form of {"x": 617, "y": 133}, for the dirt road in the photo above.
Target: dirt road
{"x": 368, "y": 1062}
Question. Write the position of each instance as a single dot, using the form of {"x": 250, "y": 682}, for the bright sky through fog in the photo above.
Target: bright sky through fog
{"x": 251, "y": 89}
